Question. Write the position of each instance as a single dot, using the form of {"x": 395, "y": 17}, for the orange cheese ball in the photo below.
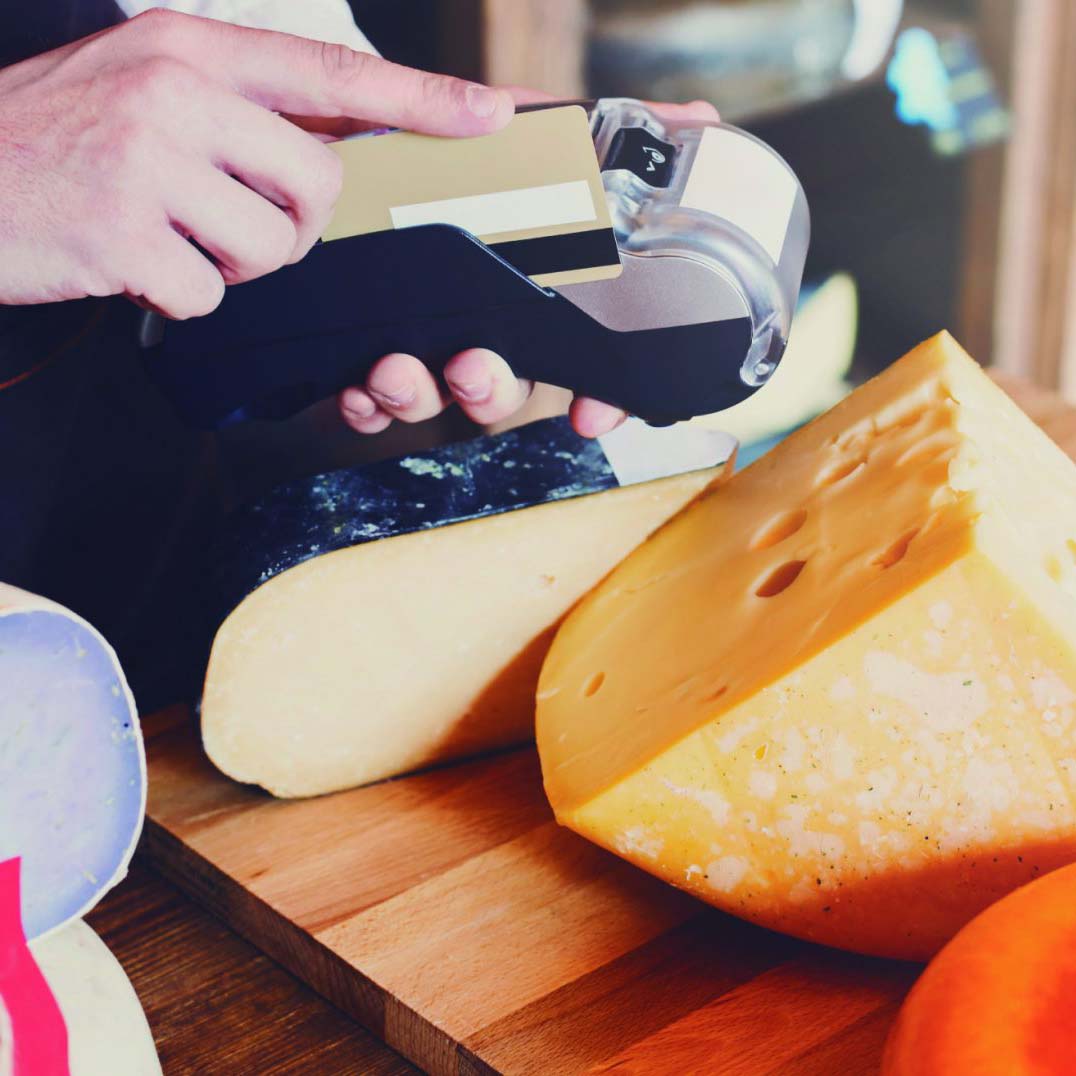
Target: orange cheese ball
{"x": 1000, "y": 998}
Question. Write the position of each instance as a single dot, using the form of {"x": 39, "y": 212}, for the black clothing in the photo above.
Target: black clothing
{"x": 100, "y": 487}
{"x": 107, "y": 503}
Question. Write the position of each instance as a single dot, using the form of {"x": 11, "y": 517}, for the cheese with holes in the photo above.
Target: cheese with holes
{"x": 391, "y": 616}
{"x": 837, "y": 696}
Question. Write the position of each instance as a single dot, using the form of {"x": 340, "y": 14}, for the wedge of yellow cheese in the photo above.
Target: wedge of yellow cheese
{"x": 837, "y": 696}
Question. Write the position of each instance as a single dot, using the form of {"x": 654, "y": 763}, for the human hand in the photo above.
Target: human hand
{"x": 121, "y": 147}
{"x": 117, "y": 149}
{"x": 481, "y": 382}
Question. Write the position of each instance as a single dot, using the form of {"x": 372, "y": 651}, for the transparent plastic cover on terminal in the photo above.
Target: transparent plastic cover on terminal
{"x": 714, "y": 194}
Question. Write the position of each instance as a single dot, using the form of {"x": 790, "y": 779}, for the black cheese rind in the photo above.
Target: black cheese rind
{"x": 543, "y": 461}
{"x": 340, "y": 658}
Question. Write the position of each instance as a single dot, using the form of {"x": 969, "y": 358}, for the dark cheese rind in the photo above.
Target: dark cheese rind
{"x": 534, "y": 464}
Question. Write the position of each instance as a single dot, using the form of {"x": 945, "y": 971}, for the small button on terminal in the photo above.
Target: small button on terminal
{"x": 647, "y": 157}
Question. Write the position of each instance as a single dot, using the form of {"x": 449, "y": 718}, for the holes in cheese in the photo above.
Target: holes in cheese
{"x": 896, "y": 552}
{"x": 908, "y": 417}
{"x": 914, "y": 685}
{"x": 393, "y": 616}
{"x": 779, "y": 528}
{"x": 593, "y": 685}
{"x": 839, "y": 471}
{"x": 938, "y": 445}
{"x": 780, "y": 579}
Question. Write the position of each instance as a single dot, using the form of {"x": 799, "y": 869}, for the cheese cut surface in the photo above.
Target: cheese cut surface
{"x": 378, "y": 658}
{"x": 107, "y": 1032}
{"x": 72, "y": 766}
{"x": 838, "y": 695}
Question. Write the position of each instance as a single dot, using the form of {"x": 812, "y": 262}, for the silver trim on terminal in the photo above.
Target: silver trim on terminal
{"x": 655, "y": 291}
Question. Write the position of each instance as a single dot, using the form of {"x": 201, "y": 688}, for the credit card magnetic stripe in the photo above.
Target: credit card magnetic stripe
{"x": 545, "y": 255}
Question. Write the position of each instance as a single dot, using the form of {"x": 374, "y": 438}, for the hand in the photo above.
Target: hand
{"x": 481, "y": 382}
{"x": 118, "y": 148}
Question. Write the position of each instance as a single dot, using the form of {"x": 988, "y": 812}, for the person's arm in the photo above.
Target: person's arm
{"x": 121, "y": 146}
{"x": 118, "y": 149}
{"x": 399, "y": 387}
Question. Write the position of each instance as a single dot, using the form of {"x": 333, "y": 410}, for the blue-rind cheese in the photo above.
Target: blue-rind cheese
{"x": 388, "y": 617}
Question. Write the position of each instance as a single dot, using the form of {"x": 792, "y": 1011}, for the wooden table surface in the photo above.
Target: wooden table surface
{"x": 215, "y": 1004}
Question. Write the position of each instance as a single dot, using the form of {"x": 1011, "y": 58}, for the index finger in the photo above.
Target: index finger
{"x": 312, "y": 78}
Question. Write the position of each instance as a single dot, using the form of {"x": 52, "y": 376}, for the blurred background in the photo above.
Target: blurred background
{"x": 936, "y": 141}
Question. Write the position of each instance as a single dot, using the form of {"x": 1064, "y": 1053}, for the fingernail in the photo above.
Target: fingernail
{"x": 605, "y": 427}
{"x": 400, "y": 397}
{"x": 360, "y": 406}
{"x": 472, "y": 391}
{"x": 481, "y": 100}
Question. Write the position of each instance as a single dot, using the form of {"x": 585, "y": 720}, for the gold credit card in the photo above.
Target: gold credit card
{"x": 532, "y": 192}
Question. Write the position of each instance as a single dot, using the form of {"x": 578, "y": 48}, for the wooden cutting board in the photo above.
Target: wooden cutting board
{"x": 449, "y": 914}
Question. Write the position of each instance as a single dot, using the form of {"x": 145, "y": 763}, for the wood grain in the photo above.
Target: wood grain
{"x": 984, "y": 172}
{"x": 215, "y": 1004}
{"x": 1035, "y": 326}
{"x": 535, "y": 43}
{"x": 451, "y": 916}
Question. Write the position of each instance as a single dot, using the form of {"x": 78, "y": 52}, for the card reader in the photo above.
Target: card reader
{"x": 711, "y": 228}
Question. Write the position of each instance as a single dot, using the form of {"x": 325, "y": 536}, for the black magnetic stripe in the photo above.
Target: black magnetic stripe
{"x": 559, "y": 253}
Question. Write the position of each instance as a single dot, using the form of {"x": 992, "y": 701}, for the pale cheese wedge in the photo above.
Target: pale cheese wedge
{"x": 347, "y": 665}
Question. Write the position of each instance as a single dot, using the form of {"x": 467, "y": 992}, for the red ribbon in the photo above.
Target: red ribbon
{"x": 35, "y": 1021}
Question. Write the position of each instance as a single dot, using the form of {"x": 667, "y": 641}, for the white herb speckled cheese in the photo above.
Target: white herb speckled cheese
{"x": 838, "y": 696}
{"x": 72, "y": 766}
{"x": 107, "y": 1032}
{"x": 72, "y": 802}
